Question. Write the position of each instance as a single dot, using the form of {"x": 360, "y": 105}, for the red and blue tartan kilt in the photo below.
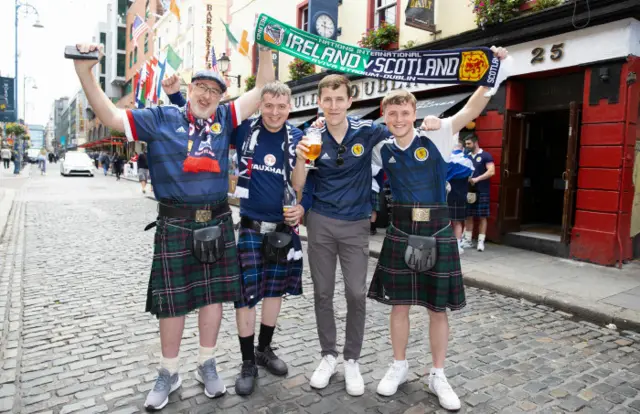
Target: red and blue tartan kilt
{"x": 265, "y": 280}
{"x": 179, "y": 283}
{"x": 375, "y": 201}
{"x": 480, "y": 208}
{"x": 394, "y": 283}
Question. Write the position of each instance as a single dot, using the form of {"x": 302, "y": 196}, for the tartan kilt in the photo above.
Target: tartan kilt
{"x": 457, "y": 210}
{"x": 394, "y": 283}
{"x": 375, "y": 201}
{"x": 179, "y": 283}
{"x": 265, "y": 280}
{"x": 480, "y": 208}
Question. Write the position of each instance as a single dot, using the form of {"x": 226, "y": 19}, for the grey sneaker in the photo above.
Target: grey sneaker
{"x": 208, "y": 375}
{"x": 166, "y": 383}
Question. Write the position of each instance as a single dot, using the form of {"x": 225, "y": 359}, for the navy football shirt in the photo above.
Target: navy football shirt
{"x": 343, "y": 192}
{"x": 418, "y": 172}
{"x": 480, "y": 161}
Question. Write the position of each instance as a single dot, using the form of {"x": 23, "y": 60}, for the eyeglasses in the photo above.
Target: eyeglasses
{"x": 204, "y": 89}
{"x": 341, "y": 150}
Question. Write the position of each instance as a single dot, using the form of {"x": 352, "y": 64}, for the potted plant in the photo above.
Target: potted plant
{"x": 489, "y": 12}
{"x": 299, "y": 69}
{"x": 545, "y": 4}
{"x": 384, "y": 37}
{"x": 250, "y": 83}
{"x": 16, "y": 130}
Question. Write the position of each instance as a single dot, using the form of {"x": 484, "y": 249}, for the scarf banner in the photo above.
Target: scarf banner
{"x": 476, "y": 66}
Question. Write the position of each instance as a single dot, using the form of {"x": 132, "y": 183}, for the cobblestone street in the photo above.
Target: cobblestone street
{"x": 75, "y": 338}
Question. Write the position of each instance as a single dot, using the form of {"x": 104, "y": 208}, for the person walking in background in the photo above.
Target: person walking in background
{"x": 459, "y": 170}
{"x": 143, "y": 171}
{"x": 6, "y": 157}
{"x": 104, "y": 160}
{"x": 42, "y": 161}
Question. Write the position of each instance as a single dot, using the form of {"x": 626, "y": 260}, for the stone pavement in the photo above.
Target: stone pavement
{"x": 74, "y": 336}
{"x": 602, "y": 294}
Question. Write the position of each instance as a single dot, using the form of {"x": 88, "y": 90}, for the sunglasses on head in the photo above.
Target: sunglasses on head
{"x": 341, "y": 150}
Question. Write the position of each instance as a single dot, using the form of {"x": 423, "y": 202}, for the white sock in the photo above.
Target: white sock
{"x": 170, "y": 364}
{"x": 437, "y": 371}
{"x": 468, "y": 235}
{"x": 481, "y": 238}
{"x": 205, "y": 354}
{"x": 403, "y": 362}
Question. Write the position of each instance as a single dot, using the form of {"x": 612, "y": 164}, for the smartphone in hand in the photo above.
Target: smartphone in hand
{"x": 72, "y": 52}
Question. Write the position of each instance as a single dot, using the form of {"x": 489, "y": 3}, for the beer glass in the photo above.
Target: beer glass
{"x": 290, "y": 199}
{"x": 314, "y": 136}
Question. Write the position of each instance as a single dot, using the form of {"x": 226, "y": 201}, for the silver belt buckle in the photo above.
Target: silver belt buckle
{"x": 421, "y": 214}
{"x": 267, "y": 227}
{"x": 202, "y": 216}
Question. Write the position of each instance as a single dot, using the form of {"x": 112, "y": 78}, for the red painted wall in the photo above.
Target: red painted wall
{"x": 602, "y": 217}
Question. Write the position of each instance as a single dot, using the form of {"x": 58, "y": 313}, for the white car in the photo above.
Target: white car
{"x": 76, "y": 163}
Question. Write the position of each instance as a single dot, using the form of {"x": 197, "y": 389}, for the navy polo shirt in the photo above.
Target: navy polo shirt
{"x": 480, "y": 161}
{"x": 166, "y": 132}
{"x": 343, "y": 192}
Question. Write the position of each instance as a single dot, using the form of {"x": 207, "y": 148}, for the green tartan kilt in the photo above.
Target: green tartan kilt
{"x": 179, "y": 282}
{"x": 394, "y": 283}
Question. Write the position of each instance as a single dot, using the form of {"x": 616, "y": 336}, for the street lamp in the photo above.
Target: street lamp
{"x": 224, "y": 62}
{"x": 24, "y": 95}
{"x": 28, "y": 9}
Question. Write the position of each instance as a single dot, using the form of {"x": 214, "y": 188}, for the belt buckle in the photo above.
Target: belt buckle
{"x": 202, "y": 216}
{"x": 421, "y": 214}
{"x": 266, "y": 227}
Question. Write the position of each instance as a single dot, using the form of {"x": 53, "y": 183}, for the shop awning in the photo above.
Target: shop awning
{"x": 301, "y": 120}
{"x": 435, "y": 106}
{"x": 362, "y": 112}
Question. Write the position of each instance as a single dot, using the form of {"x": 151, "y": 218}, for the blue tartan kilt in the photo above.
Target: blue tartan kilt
{"x": 480, "y": 208}
{"x": 266, "y": 280}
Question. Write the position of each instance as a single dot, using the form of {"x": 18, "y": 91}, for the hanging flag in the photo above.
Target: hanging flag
{"x": 241, "y": 46}
{"x": 173, "y": 59}
{"x": 162, "y": 66}
{"x": 214, "y": 61}
{"x": 174, "y": 8}
{"x": 150, "y": 83}
{"x": 141, "y": 94}
{"x": 139, "y": 27}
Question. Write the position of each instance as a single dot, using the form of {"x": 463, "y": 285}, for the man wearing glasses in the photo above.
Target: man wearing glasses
{"x": 195, "y": 261}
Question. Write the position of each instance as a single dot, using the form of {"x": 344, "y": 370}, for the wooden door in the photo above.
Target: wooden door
{"x": 570, "y": 175}
{"x": 512, "y": 170}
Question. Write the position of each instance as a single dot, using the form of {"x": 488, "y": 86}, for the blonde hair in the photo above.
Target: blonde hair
{"x": 399, "y": 97}
{"x": 334, "y": 82}
{"x": 276, "y": 88}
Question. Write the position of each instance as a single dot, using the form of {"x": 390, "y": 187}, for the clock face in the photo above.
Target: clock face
{"x": 325, "y": 26}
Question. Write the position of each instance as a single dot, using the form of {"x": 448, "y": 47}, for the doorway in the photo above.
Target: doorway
{"x": 543, "y": 184}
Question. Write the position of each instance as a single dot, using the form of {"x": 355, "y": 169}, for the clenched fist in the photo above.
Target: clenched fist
{"x": 171, "y": 85}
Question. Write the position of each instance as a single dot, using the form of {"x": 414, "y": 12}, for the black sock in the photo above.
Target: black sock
{"x": 246, "y": 347}
{"x": 266, "y": 334}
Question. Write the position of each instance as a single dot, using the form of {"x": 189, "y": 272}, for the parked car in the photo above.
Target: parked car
{"x": 76, "y": 163}
{"x": 32, "y": 155}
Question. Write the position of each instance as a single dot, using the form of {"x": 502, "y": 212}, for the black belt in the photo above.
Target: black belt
{"x": 252, "y": 224}
{"x": 419, "y": 213}
{"x": 197, "y": 215}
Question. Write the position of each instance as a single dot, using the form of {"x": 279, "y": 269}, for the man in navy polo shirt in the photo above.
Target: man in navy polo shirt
{"x": 484, "y": 170}
{"x": 267, "y": 174}
{"x": 188, "y": 163}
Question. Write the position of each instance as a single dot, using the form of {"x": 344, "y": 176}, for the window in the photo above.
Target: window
{"x": 147, "y": 10}
{"x": 303, "y": 16}
{"x": 127, "y": 88}
{"x": 103, "y": 65}
{"x": 103, "y": 83}
{"x": 122, "y": 38}
{"x": 131, "y": 32}
{"x": 135, "y": 55}
{"x": 120, "y": 70}
{"x": 103, "y": 39}
{"x": 385, "y": 12}
{"x": 130, "y": 59}
{"x": 122, "y": 8}
{"x": 146, "y": 43}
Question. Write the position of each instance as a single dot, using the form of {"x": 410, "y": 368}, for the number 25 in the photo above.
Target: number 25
{"x": 557, "y": 51}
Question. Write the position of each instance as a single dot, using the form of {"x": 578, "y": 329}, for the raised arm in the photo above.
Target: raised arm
{"x": 250, "y": 101}
{"x": 105, "y": 110}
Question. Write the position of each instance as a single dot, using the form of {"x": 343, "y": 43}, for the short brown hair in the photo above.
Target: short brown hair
{"x": 334, "y": 82}
{"x": 399, "y": 97}
{"x": 275, "y": 88}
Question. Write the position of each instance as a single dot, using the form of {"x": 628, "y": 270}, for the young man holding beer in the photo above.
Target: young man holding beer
{"x": 195, "y": 261}
{"x": 419, "y": 263}
{"x": 266, "y": 158}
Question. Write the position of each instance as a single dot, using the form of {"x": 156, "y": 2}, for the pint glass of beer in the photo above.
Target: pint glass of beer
{"x": 314, "y": 136}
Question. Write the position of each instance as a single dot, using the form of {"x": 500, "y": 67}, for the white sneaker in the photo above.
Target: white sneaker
{"x": 460, "y": 249}
{"x": 481, "y": 245}
{"x": 353, "y": 379}
{"x": 448, "y": 399}
{"x": 466, "y": 243}
{"x": 396, "y": 375}
{"x": 324, "y": 372}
